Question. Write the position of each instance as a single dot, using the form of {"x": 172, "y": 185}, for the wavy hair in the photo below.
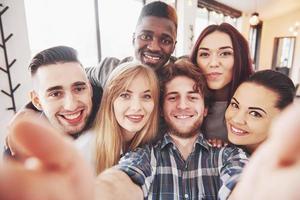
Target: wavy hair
{"x": 109, "y": 138}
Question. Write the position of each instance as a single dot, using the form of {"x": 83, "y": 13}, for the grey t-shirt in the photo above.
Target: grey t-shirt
{"x": 214, "y": 125}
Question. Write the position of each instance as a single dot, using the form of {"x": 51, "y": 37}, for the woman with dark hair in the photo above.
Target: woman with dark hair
{"x": 223, "y": 55}
{"x": 254, "y": 105}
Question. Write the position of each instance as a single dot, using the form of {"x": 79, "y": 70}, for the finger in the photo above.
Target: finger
{"x": 285, "y": 135}
{"x": 43, "y": 142}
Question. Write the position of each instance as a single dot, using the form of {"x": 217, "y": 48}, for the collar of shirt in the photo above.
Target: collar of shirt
{"x": 167, "y": 140}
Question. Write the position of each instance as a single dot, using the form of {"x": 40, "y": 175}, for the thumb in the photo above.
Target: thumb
{"x": 285, "y": 135}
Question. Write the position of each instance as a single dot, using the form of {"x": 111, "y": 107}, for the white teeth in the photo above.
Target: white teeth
{"x": 152, "y": 57}
{"x": 237, "y": 130}
{"x": 72, "y": 116}
{"x": 182, "y": 116}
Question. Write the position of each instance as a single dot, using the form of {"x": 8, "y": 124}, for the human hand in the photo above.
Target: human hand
{"x": 217, "y": 143}
{"x": 273, "y": 170}
{"x": 55, "y": 170}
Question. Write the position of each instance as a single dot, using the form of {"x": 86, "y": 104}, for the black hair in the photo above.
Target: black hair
{"x": 279, "y": 83}
{"x": 58, "y": 54}
{"x": 158, "y": 9}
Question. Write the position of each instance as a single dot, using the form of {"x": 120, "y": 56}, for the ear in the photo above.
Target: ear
{"x": 133, "y": 38}
{"x": 91, "y": 89}
{"x": 205, "y": 112}
{"x": 35, "y": 100}
{"x": 174, "y": 46}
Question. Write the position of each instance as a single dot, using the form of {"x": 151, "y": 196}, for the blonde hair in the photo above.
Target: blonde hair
{"x": 108, "y": 132}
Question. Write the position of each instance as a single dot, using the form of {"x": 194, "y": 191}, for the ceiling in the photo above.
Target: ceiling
{"x": 266, "y": 8}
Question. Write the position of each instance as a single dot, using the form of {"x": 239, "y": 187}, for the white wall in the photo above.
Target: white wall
{"x": 17, "y": 48}
{"x": 279, "y": 27}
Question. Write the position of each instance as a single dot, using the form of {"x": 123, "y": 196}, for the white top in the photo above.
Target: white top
{"x": 85, "y": 144}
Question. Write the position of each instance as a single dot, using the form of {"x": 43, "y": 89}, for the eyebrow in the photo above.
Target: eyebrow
{"x": 221, "y": 48}
{"x": 252, "y": 108}
{"x": 190, "y": 92}
{"x": 54, "y": 88}
{"x": 152, "y": 33}
{"x": 79, "y": 83}
{"x": 143, "y": 92}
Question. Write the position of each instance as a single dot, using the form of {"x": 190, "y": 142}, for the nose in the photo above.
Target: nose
{"x": 214, "y": 61}
{"x": 154, "y": 45}
{"x": 239, "y": 118}
{"x": 135, "y": 104}
{"x": 182, "y": 103}
{"x": 70, "y": 102}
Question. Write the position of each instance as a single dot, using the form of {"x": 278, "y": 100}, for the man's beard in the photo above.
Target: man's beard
{"x": 194, "y": 130}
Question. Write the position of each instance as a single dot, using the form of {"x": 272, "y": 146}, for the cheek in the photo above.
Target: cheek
{"x": 259, "y": 129}
{"x": 149, "y": 107}
{"x": 201, "y": 63}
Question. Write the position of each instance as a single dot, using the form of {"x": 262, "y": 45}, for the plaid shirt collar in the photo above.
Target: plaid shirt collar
{"x": 167, "y": 140}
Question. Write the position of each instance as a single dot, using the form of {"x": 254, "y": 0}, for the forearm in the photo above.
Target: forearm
{"x": 115, "y": 184}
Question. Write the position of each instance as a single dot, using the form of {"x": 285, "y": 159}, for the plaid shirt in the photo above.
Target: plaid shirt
{"x": 162, "y": 173}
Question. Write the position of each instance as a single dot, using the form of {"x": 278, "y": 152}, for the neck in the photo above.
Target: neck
{"x": 221, "y": 94}
{"x": 184, "y": 145}
{"x": 251, "y": 148}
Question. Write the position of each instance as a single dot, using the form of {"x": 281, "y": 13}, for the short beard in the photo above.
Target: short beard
{"x": 195, "y": 129}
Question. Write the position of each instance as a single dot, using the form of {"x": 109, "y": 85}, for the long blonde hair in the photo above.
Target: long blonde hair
{"x": 109, "y": 139}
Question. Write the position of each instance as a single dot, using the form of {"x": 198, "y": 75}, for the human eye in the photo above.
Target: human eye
{"x": 225, "y": 53}
{"x": 234, "y": 105}
{"x": 147, "y": 96}
{"x": 125, "y": 95}
{"x": 79, "y": 88}
{"x": 55, "y": 94}
{"x": 194, "y": 97}
{"x": 145, "y": 36}
{"x": 203, "y": 54}
{"x": 171, "y": 98}
{"x": 255, "y": 114}
{"x": 166, "y": 41}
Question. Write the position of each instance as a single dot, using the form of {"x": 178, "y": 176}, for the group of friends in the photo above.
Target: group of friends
{"x": 153, "y": 126}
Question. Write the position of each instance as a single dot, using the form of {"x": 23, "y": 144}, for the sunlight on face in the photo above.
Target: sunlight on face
{"x": 250, "y": 114}
{"x": 134, "y": 106}
{"x": 215, "y": 57}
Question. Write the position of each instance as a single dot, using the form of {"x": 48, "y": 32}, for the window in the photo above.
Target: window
{"x": 63, "y": 22}
{"x": 117, "y": 24}
{"x": 73, "y": 23}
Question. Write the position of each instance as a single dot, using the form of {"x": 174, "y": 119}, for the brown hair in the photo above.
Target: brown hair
{"x": 242, "y": 67}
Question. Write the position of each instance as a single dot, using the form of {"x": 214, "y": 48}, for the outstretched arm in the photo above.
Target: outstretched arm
{"x": 273, "y": 170}
{"x": 55, "y": 170}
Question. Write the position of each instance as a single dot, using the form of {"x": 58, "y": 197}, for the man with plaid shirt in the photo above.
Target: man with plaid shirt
{"x": 182, "y": 165}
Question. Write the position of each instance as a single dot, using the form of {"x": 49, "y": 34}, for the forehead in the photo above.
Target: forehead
{"x": 254, "y": 95}
{"x": 139, "y": 83}
{"x": 60, "y": 74}
{"x": 216, "y": 40}
{"x": 157, "y": 25}
{"x": 180, "y": 84}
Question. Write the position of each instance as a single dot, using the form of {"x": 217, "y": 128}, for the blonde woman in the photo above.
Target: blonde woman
{"x": 128, "y": 115}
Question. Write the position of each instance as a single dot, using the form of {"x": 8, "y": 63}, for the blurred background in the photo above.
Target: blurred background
{"x": 101, "y": 28}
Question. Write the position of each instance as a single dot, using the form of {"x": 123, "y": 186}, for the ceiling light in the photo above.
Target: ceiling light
{"x": 254, "y": 19}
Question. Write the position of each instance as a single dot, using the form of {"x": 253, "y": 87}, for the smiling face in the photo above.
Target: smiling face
{"x": 215, "y": 57}
{"x": 63, "y": 93}
{"x": 154, "y": 41}
{"x": 183, "y": 107}
{"x": 249, "y": 115}
{"x": 134, "y": 106}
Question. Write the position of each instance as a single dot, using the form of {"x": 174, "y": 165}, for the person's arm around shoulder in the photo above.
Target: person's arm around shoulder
{"x": 99, "y": 74}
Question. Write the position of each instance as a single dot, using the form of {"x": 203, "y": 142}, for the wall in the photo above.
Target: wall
{"x": 279, "y": 27}
{"x": 18, "y": 48}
